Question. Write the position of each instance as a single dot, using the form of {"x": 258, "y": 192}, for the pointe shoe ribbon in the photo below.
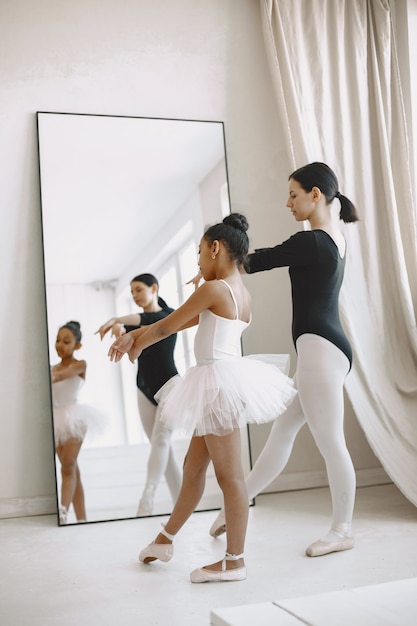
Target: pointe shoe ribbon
{"x": 202, "y": 575}
{"x": 320, "y": 548}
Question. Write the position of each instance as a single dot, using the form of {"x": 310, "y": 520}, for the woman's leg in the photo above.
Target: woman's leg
{"x": 162, "y": 459}
{"x": 67, "y": 454}
{"x": 277, "y": 449}
{"x": 321, "y": 372}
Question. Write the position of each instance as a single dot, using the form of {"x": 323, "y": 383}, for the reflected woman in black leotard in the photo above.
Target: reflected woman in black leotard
{"x": 316, "y": 261}
{"x": 155, "y": 367}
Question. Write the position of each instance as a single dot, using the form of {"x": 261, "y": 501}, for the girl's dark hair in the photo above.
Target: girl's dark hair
{"x": 149, "y": 280}
{"x": 322, "y": 176}
{"x": 232, "y": 232}
{"x": 75, "y": 328}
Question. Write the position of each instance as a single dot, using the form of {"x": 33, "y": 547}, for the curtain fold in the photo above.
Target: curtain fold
{"x": 334, "y": 69}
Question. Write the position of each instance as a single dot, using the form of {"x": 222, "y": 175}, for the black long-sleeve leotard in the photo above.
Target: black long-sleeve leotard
{"x": 316, "y": 271}
{"x": 156, "y": 363}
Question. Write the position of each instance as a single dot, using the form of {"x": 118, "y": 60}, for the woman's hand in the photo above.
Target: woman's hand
{"x": 105, "y": 328}
{"x": 121, "y": 346}
{"x": 117, "y": 330}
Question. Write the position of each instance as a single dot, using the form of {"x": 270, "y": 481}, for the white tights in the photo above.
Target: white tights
{"x": 162, "y": 459}
{"x": 320, "y": 375}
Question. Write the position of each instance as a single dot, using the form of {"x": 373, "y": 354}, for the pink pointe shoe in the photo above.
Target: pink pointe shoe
{"x": 224, "y": 575}
{"x": 219, "y": 525}
{"x": 161, "y": 551}
{"x": 322, "y": 547}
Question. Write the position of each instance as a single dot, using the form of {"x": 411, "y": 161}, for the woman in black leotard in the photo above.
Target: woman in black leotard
{"x": 316, "y": 261}
{"x": 155, "y": 367}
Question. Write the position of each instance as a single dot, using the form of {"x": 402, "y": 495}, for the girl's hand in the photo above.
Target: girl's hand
{"x": 195, "y": 280}
{"x": 120, "y": 347}
{"x": 136, "y": 350}
{"x": 134, "y": 353}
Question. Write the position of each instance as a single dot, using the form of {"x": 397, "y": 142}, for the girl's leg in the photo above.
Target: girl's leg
{"x": 225, "y": 453}
{"x": 78, "y": 501}
{"x": 196, "y": 462}
{"x": 321, "y": 372}
{"x": 272, "y": 459}
{"x": 67, "y": 454}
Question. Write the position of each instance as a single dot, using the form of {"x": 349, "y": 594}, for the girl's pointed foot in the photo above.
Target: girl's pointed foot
{"x": 163, "y": 550}
{"x": 203, "y": 575}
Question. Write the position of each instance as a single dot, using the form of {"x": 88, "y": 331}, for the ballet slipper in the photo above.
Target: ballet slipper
{"x": 63, "y": 514}
{"x": 161, "y": 551}
{"x": 322, "y": 547}
{"x": 202, "y": 575}
{"x": 146, "y": 502}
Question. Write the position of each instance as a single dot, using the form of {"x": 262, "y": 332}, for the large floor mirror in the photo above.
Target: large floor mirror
{"x": 121, "y": 196}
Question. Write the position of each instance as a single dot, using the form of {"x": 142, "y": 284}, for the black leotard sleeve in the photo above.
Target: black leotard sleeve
{"x": 316, "y": 271}
{"x": 155, "y": 364}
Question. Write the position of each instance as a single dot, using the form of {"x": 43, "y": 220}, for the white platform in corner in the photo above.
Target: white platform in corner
{"x": 386, "y": 604}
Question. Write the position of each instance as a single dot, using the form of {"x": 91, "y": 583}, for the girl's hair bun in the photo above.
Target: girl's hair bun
{"x": 238, "y": 221}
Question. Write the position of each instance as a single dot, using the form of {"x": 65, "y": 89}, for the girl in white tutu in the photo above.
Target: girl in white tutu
{"x": 218, "y": 396}
{"x": 70, "y": 418}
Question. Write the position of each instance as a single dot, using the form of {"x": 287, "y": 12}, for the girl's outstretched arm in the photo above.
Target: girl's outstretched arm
{"x": 185, "y": 316}
{"x": 78, "y": 368}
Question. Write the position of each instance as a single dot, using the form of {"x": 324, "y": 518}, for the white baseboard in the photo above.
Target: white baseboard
{"x": 46, "y": 505}
{"x": 318, "y": 478}
{"x": 26, "y": 507}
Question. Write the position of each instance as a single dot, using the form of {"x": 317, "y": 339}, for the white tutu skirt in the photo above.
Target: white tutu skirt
{"x": 219, "y": 396}
{"x": 73, "y": 420}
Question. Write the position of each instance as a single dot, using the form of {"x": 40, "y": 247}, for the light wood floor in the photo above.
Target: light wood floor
{"x": 89, "y": 574}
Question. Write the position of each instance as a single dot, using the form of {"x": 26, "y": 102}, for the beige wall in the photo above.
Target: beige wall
{"x": 185, "y": 59}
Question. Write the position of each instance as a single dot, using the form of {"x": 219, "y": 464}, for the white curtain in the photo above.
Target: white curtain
{"x": 335, "y": 73}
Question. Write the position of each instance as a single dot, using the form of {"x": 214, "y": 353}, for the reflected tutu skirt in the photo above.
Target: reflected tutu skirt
{"x": 73, "y": 420}
{"x": 216, "y": 397}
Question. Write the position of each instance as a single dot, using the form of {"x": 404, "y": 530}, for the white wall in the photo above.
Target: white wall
{"x": 178, "y": 58}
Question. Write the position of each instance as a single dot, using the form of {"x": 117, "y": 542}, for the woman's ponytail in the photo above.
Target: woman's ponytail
{"x": 348, "y": 211}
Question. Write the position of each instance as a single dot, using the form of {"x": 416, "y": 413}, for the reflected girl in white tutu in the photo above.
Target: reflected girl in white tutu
{"x": 218, "y": 396}
{"x": 70, "y": 418}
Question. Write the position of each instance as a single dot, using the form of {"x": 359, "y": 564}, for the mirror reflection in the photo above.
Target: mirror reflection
{"x": 166, "y": 180}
